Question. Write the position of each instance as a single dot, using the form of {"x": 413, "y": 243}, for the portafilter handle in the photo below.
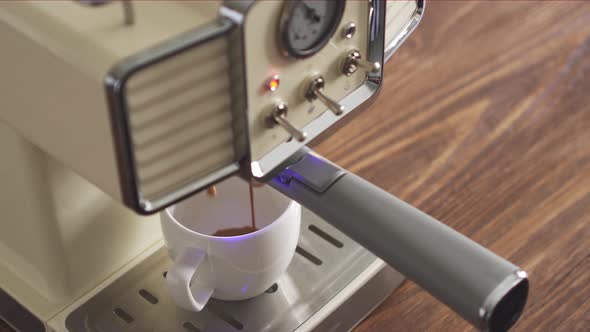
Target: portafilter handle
{"x": 485, "y": 289}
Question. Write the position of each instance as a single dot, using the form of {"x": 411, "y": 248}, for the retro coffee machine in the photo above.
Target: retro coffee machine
{"x": 112, "y": 111}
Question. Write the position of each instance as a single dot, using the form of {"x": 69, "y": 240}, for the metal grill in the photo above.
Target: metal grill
{"x": 325, "y": 263}
{"x": 180, "y": 117}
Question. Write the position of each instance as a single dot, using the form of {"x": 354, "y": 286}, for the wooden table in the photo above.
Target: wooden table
{"x": 484, "y": 123}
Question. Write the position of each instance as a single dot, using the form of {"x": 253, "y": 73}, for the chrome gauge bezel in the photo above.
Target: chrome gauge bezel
{"x": 285, "y": 21}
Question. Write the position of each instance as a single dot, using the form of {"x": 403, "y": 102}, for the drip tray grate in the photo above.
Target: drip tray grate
{"x": 326, "y": 262}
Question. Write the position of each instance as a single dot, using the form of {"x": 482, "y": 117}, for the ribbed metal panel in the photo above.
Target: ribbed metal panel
{"x": 180, "y": 118}
{"x": 398, "y": 14}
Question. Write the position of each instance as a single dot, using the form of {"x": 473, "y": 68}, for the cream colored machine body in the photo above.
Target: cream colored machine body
{"x": 97, "y": 113}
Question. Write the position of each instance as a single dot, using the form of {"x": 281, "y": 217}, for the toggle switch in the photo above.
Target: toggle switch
{"x": 279, "y": 116}
{"x": 315, "y": 91}
{"x": 354, "y": 60}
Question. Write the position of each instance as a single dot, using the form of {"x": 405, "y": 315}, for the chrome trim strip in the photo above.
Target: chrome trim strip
{"x": 115, "y": 82}
{"x": 406, "y": 31}
{"x": 236, "y": 11}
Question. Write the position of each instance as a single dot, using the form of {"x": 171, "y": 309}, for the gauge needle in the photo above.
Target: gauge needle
{"x": 311, "y": 13}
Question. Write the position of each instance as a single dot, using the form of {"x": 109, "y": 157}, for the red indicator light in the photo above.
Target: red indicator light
{"x": 272, "y": 84}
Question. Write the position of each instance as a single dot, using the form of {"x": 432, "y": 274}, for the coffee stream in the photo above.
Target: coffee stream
{"x": 252, "y": 212}
{"x": 212, "y": 191}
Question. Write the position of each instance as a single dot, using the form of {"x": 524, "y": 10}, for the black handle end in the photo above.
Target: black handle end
{"x": 506, "y": 303}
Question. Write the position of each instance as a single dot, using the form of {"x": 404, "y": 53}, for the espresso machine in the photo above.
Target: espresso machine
{"x": 111, "y": 111}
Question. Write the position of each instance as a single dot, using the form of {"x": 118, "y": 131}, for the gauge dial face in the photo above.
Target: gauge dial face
{"x": 307, "y": 25}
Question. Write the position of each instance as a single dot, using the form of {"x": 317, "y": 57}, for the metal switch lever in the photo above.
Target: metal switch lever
{"x": 279, "y": 116}
{"x": 314, "y": 91}
{"x": 354, "y": 60}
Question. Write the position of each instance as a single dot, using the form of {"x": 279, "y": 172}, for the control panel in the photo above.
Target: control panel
{"x": 302, "y": 58}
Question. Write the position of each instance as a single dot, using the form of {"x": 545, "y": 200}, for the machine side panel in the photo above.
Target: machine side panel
{"x": 59, "y": 234}
{"x": 59, "y": 109}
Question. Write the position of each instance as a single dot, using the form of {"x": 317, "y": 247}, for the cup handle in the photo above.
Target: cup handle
{"x": 189, "y": 296}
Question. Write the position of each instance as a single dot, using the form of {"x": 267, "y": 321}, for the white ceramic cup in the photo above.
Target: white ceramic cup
{"x": 228, "y": 268}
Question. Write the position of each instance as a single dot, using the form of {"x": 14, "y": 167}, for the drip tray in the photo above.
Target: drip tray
{"x": 331, "y": 284}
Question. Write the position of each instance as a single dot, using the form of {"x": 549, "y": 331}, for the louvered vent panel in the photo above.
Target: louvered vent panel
{"x": 180, "y": 118}
{"x": 398, "y": 14}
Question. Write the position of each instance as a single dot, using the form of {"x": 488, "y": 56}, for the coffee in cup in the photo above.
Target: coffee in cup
{"x": 228, "y": 266}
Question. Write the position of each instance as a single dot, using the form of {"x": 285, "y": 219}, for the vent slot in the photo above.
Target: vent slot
{"x": 189, "y": 327}
{"x": 272, "y": 288}
{"x": 224, "y": 316}
{"x": 329, "y": 238}
{"x": 309, "y": 256}
{"x": 123, "y": 315}
{"x": 151, "y": 298}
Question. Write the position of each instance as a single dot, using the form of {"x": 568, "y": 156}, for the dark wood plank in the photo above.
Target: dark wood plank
{"x": 484, "y": 122}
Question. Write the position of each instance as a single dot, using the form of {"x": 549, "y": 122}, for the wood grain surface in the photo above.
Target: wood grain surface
{"x": 484, "y": 123}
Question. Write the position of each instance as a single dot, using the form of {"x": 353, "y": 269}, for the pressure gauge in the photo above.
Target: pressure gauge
{"x": 306, "y": 26}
